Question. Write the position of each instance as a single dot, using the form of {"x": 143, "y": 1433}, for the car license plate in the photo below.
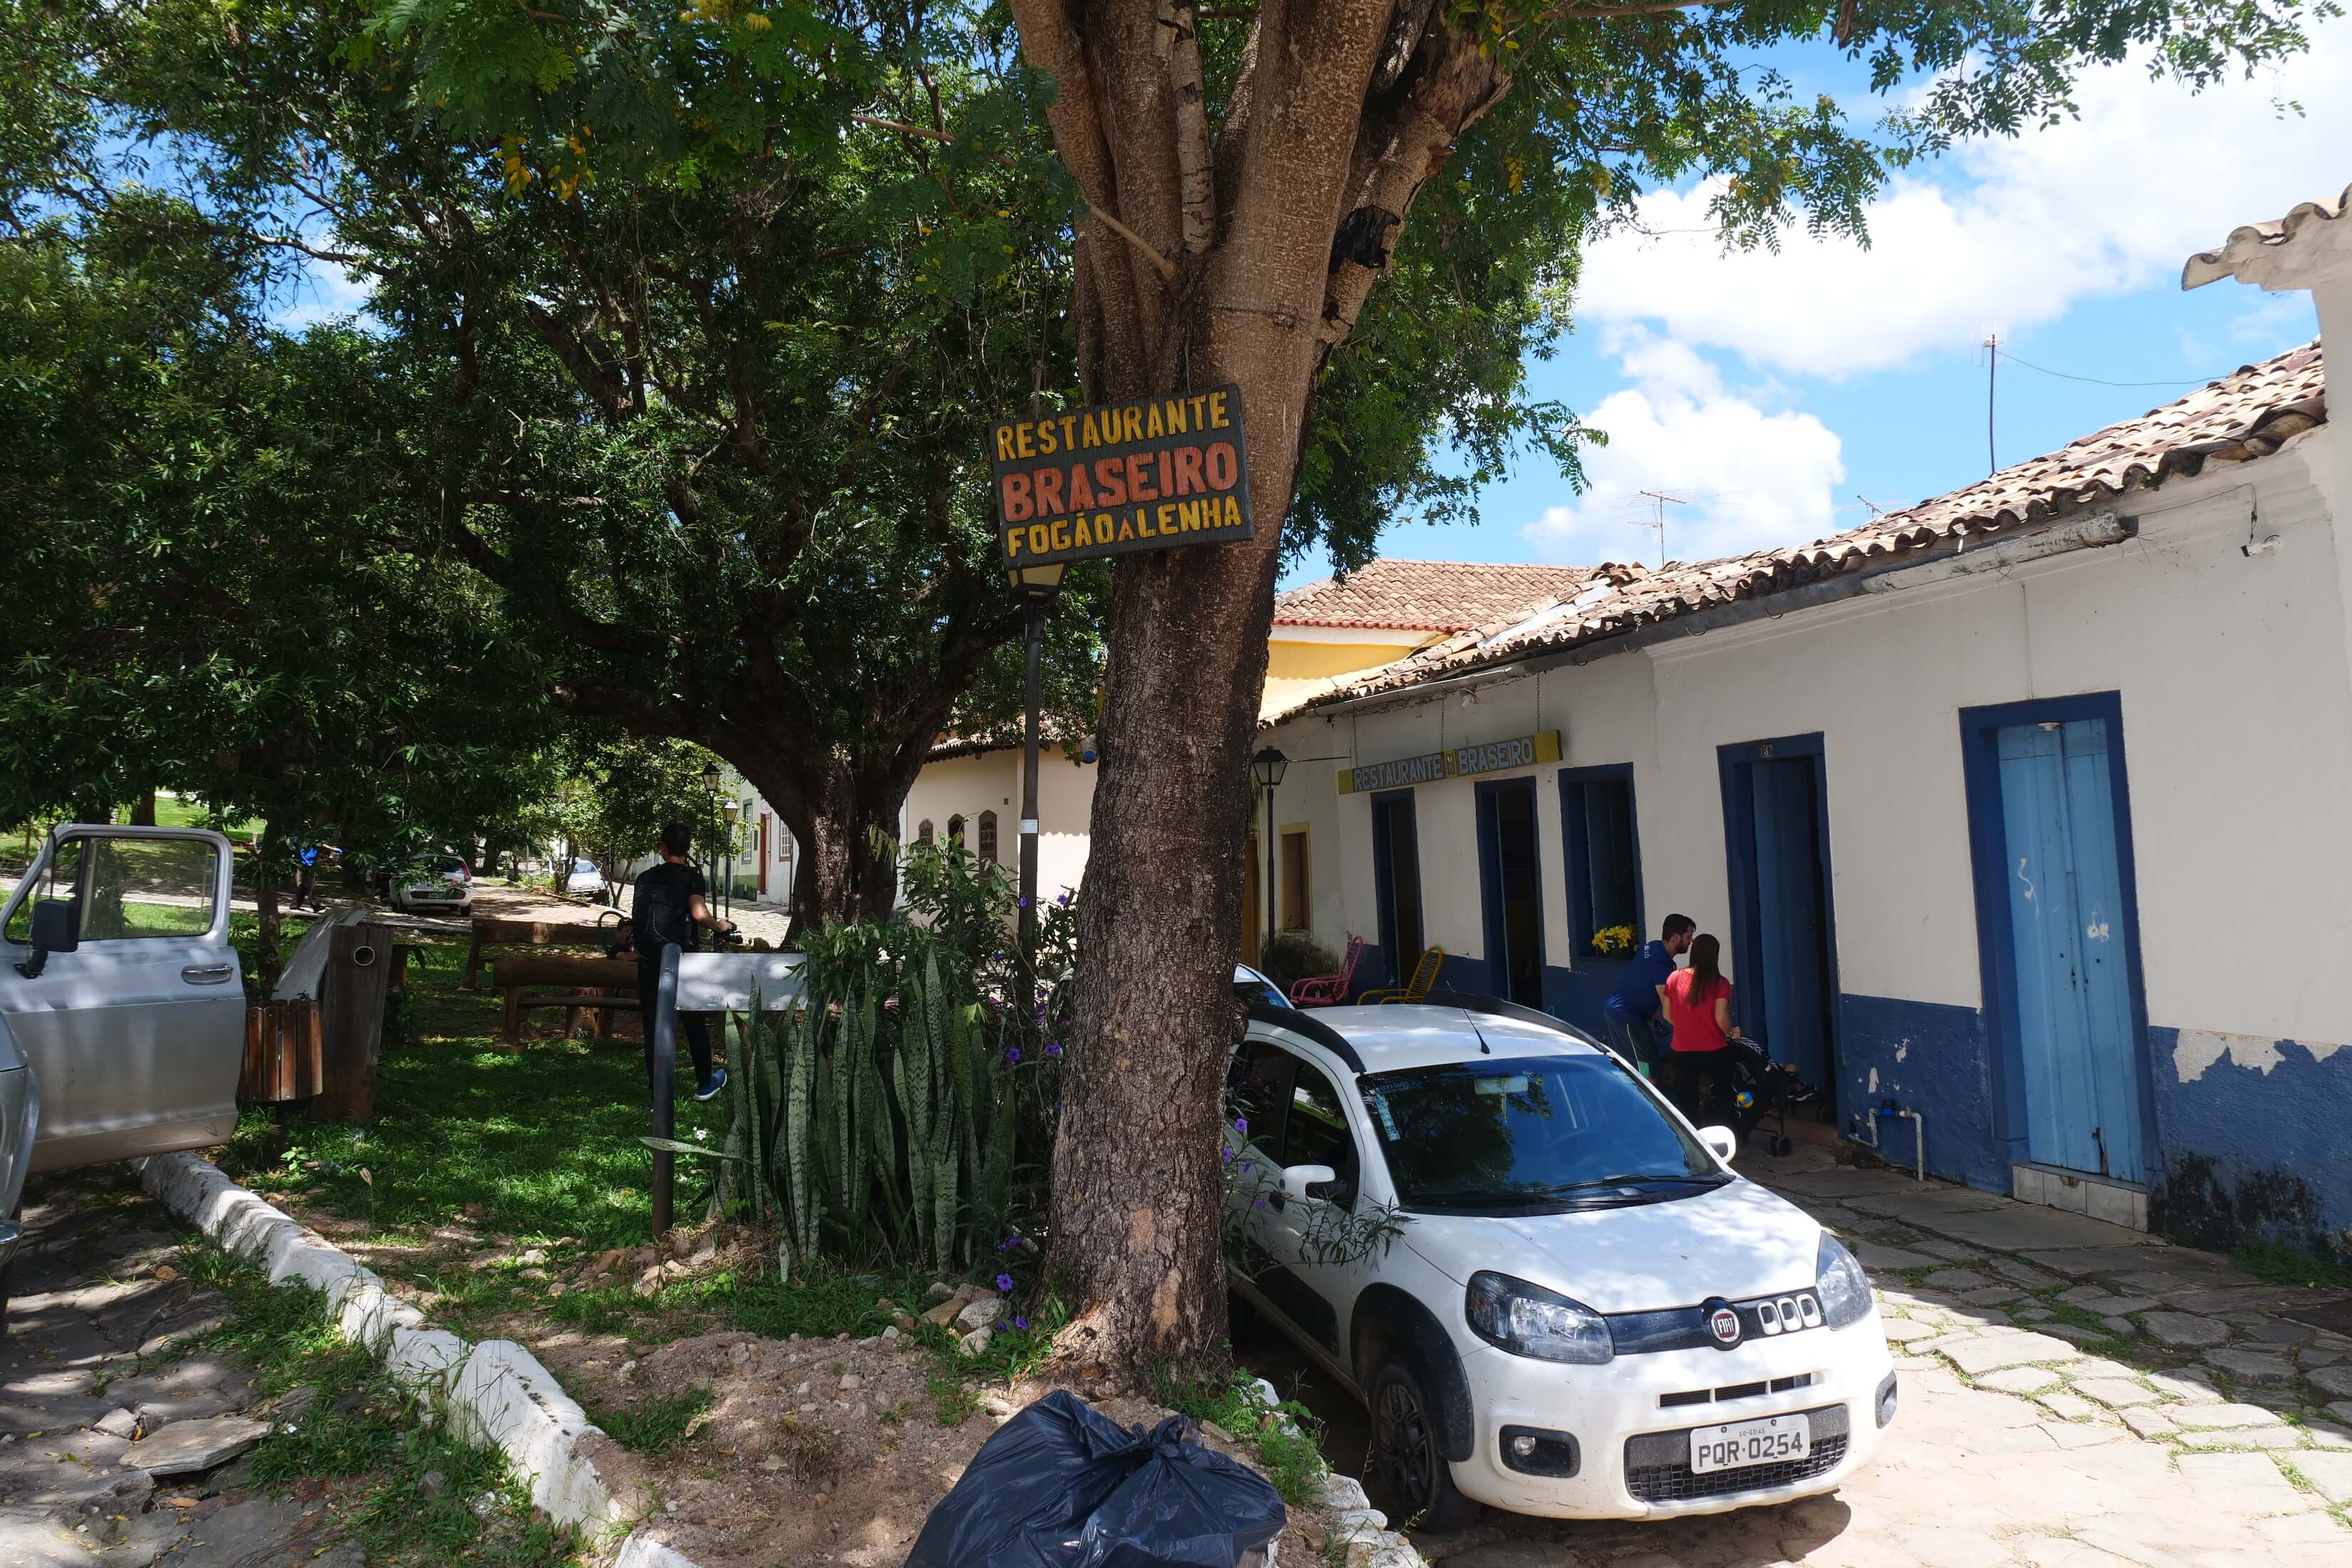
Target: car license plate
{"x": 1738, "y": 1444}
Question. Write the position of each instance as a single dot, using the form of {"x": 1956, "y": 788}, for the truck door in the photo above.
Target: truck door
{"x": 135, "y": 1037}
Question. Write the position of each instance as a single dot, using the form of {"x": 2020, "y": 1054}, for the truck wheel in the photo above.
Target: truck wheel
{"x": 1411, "y": 1482}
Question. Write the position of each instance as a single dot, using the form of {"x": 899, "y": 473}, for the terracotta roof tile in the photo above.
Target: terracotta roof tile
{"x": 2253, "y": 251}
{"x": 2247, "y": 414}
{"x": 1425, "y": 595}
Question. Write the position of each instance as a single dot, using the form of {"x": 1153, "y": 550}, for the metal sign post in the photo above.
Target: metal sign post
{"x": 663, "y": 1030}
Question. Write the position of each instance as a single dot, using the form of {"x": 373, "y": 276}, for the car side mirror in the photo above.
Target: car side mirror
{"x": 53, "y": 931}
{"x": 1298, "y": 1180}
{"x": 1722, "y": 1142}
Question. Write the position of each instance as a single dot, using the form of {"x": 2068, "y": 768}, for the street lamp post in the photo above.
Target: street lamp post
{"x": 727, "y": 896}
{"x": 710, "y": 849}
{"x": 1269, "y": 766}
{"x": 1034, "y": 588}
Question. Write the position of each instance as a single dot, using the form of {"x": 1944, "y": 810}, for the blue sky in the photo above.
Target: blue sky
{"x": 1773, "y": 392}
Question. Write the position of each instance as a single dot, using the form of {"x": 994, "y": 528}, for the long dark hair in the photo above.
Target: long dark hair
{"x": 1705, "y": 965}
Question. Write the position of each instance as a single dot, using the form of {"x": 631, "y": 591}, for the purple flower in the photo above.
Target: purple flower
{"x": 1004, "y": 1281}
{"x": 1025, "y": 902}
{"x": 1021, "y": 1323}
{"x": 1226, "y": 1150}
{"x": 1008, "y": 1243}
{"x": 1053, "y": 1048}
{"x": 1012, "y": 1055}
{"x": 1261, "y": 1202}
{"x": 1062, "y": 899}
{"x": 1240, "y": 1125}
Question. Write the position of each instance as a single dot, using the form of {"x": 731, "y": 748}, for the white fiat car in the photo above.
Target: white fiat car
{"x": 1553, "y": 1294}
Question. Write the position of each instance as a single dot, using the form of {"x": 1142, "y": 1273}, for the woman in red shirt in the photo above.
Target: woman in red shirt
{"x": 1699, "y": 1005}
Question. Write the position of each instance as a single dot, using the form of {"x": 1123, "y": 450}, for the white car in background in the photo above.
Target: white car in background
{"x": 1573, "y": 1307}
{"x": 437, "y": 882}
{"x": 585, "y": 877}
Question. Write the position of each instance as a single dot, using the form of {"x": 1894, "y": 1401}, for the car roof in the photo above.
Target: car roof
{"x": 1398, "y": 1036}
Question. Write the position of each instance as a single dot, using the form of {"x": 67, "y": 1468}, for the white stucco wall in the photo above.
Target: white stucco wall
{"x": 966, "y": 786}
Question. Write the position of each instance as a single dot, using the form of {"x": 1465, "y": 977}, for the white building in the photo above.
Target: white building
{"x": 1325, "y": 635}
{"x": 2024, "y": 809}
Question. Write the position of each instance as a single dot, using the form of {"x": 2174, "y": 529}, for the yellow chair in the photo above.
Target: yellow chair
{"x": 1424, "y": 975}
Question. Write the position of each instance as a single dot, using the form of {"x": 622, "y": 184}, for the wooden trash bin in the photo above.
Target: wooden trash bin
{"x": 284, "y": 1052}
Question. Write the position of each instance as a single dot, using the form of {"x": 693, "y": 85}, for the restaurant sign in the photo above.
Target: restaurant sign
{"x": 1146, "y": 475}
{"x": 1454, "y": 763}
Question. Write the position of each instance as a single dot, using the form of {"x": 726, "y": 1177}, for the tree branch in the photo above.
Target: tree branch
{"x": 1167, "y": 269}
{"x": 1195, "y": 167}
{"x": 1639, "y": 8}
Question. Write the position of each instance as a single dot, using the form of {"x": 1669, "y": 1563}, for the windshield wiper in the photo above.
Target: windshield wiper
{"x": 1708, "y": 1181}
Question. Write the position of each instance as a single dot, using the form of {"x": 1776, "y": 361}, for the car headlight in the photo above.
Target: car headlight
{"x": 1841, "y": 1284}
{"x": 1529, "y": 1320}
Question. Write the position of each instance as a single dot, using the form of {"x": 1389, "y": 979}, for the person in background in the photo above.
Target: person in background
{"x": 671, "y": 905}
{"x": 306, "y": 879}
{"x": 1698, "y": 1008}
{"x": 1634, "y": 1011}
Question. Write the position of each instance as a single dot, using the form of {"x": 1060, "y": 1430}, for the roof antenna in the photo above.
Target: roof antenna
{"x": 1658, "y": 506}
{"x": 1484, "y": 1048}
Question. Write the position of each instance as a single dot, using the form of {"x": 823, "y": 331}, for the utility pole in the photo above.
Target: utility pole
{"x": 1658, "y": 502}
{"x": 1992, "y": 372}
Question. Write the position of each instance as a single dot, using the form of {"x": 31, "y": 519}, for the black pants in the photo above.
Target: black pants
{"x": 1699, "y": 1083}
{"x": 306, "y": 887}
{"x": 696, "y": 1027}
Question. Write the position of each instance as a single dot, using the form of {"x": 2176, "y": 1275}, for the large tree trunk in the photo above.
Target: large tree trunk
{"x": 1343, "y": 107}
{"x": 833, "y": 813}
{"x": 143, "y": 810}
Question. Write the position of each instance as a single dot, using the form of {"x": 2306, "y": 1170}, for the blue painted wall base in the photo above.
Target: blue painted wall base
{"x": 2254, "y": 1153}
{"x": 1929, "y": 1057}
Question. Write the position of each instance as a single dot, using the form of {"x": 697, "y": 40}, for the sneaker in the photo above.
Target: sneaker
{"x": 718, "y": 1081}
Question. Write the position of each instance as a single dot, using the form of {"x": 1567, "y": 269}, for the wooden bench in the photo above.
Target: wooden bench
{"x": 604, "y": 985}
{"x": 488, "y": 930}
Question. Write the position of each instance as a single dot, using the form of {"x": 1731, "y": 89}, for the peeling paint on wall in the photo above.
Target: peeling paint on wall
{"x": 2199, "y": 1048}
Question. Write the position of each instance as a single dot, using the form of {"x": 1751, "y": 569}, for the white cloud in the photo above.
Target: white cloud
{"x": 2009, "y": 234}
{"x": 1748, "y": 478}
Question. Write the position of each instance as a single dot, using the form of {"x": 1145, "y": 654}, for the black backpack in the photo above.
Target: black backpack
{"x": 659, "y": 911}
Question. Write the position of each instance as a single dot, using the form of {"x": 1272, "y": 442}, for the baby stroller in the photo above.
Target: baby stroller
{"x": 1761, "y": 1087}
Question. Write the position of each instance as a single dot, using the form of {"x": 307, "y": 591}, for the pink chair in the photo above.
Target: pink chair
{"x": 1328, "y": 990}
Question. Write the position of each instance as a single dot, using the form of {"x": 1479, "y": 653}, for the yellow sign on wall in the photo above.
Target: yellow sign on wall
{"x": 1453, "y": 762}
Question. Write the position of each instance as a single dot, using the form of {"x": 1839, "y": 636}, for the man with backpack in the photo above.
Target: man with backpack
{"x": 671, "y": 905}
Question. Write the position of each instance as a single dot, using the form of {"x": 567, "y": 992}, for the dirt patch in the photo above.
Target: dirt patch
{"x": 809, "y": 1451}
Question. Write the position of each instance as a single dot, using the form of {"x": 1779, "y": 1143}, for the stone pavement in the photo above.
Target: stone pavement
{"x": 2074, "y": 1396}
{"x": 78, "y": 1407}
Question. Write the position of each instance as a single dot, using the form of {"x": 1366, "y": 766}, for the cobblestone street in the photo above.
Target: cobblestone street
{"x": 2074, "y": 1396}
{"x": 75, "y": 1488}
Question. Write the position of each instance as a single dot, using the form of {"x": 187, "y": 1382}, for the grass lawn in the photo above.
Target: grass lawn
{"x": 544, "y": 1140}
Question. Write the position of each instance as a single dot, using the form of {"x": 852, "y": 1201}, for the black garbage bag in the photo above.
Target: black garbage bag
{"x": 1063, "y": 1486}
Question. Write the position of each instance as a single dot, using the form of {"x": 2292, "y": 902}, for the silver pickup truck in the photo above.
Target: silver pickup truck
{"x": 121, "y": 1016}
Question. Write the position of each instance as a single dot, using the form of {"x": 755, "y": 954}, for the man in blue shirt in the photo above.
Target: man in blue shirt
{"x": 1635, "y": 1010}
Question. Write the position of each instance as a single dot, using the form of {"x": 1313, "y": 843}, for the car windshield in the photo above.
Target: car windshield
{"x": 1529, "y": 1135}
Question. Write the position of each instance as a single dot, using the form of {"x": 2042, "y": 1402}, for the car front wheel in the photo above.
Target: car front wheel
{"x": 1412, "y": 1482}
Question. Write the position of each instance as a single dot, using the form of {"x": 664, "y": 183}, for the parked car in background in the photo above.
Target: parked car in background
{"x": 121, "y": 1015}
{"x": 434, "y": 882}
{"x": 1553, "y": 1293}
{"x": 585, "y": 877}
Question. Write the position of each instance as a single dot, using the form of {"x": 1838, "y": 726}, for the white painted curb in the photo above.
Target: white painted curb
{"x": 498, "y": 1392}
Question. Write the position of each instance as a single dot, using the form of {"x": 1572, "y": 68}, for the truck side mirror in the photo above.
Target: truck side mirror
{"x": 53, "y": 931}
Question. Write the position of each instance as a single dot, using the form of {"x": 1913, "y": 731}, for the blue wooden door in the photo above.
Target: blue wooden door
{"x": 1792, "y": 935}
{"x": 2068, "y": 926}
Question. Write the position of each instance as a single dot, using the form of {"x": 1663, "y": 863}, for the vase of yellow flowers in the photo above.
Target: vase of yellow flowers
{"x": 1613, "y": 942}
